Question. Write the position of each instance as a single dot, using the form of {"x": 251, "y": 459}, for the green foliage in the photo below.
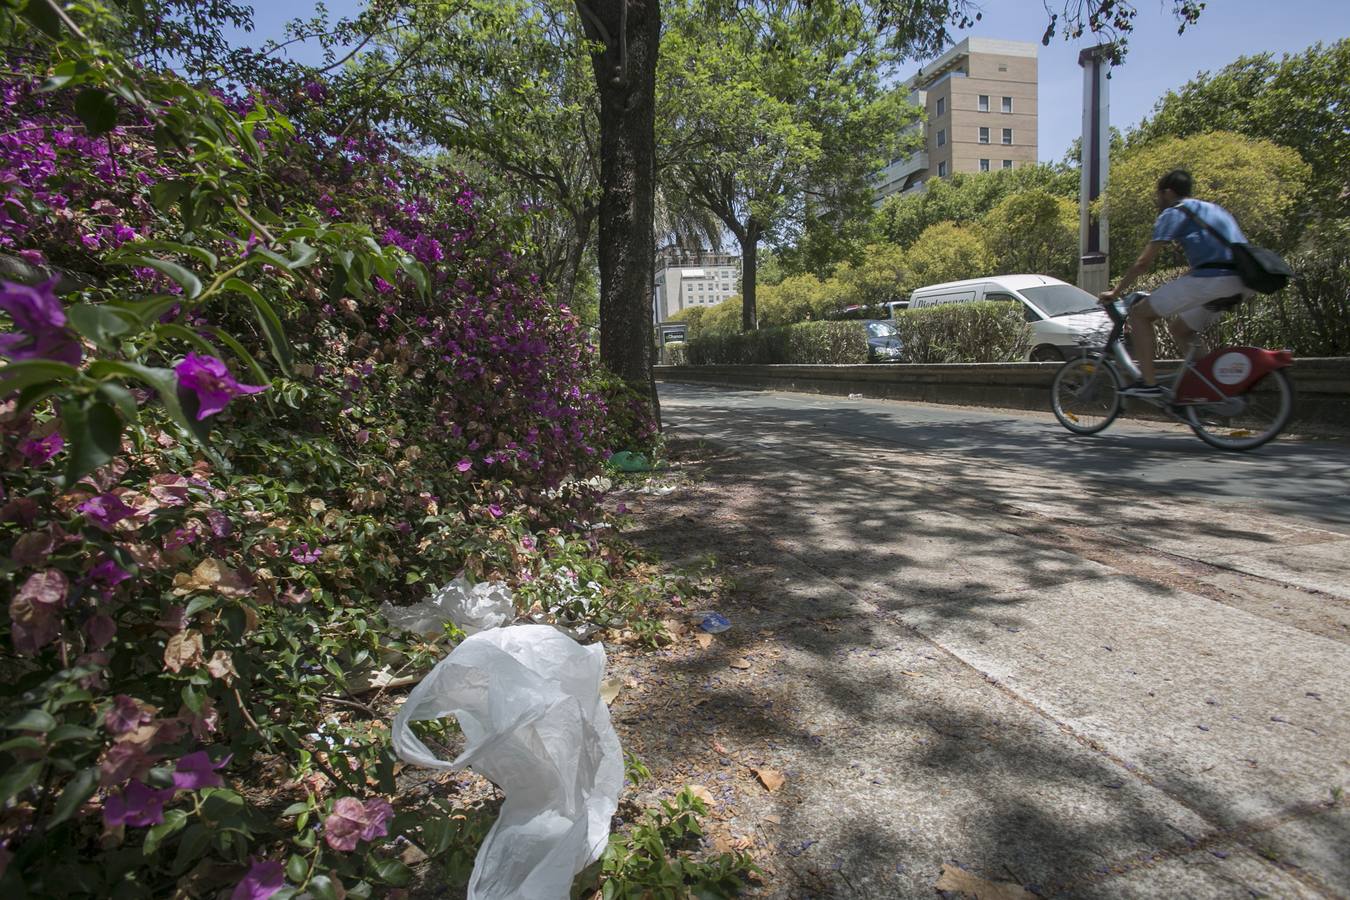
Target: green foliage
{"x": 964, "y": 333}
{"x": 947, "y": 252}
{"x": 1301, "y": 101}
{"x": 806, "y": 343}
{"x": 655, "y": 860}
{"x": 964, "y": 199}
{"x": 1033, "y": 232}
{"x": 1260, "y": 183}
{"x": 882, "y": 275}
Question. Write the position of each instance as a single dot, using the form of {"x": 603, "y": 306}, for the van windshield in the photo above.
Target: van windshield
{"x": 1060, "y": 299}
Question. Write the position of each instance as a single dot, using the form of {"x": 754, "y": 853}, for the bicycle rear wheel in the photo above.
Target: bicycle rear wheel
{"x": 1085, "y": 395}
{"x": 1241, "y": 423}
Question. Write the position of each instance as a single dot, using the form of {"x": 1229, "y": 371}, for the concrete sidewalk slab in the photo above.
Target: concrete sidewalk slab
{"x": 1237, "y": 716}
{"x": 1318, "y": 567}
{"x": 1320, "y": 614}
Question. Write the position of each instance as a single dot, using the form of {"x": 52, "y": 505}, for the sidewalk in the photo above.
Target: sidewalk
{"x": 968, "y": 684}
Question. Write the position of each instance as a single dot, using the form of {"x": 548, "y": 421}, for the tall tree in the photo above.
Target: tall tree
{"x": 625, "y": 39}
{"x": 1301, "y": 101}
{"x": 780, "y": 112}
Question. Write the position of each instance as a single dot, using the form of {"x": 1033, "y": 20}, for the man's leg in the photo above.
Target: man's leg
{"x": 1142, "y": 340}
{"x": 1182, "y": 333}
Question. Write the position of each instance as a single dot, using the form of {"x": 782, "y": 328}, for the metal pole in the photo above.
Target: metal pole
{"x": 1093, "y": 242}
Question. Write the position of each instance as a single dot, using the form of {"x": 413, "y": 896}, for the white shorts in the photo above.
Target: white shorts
{"x": 1186, "y": 297}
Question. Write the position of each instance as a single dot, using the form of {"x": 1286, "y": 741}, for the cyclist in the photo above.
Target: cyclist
{"x": 1211, "y": 276}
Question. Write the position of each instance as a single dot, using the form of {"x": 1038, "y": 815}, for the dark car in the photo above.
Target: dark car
{"x": 883, "y": 341}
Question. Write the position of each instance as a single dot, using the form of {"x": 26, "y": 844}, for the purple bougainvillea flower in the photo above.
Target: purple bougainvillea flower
{"x": 39, "y": 322}
{"x": 264, "y": 879}
{"x": 464, "y": 465}
{"x": 105, "y": 511}
{"x": 35, "y": 611}
{"x": 126, "y": 714}
{"x": 101, "y": 629}
{"x": 352, "y": 821}
{"x": 207, "y": 378}
{"x": 108, "y": 573}
{"x": 196, "y": 771}
{"x": 37, "y": 451}
{"x": 305, "y": 554}
{"x": 138, "y": 806}
{"x": 494, "y": 510}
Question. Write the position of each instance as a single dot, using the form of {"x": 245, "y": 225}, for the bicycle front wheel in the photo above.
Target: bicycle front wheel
{"x": 1085, "y": 395}
{"x": 1241, "y": 423}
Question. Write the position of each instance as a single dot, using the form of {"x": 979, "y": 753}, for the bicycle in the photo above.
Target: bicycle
{"x": 1234, "y": 398}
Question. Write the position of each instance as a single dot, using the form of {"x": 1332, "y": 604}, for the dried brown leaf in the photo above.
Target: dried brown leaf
{"x": 959, "y": 880}
{"x": 739, "y": 662}
{"x": 704, "y": 639}
{"x": 770, "y": 778}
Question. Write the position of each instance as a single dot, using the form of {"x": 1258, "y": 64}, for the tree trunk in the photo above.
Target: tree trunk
{"x": 749, "y": 241}
{"x": 576, "y": 252}
{"x": 625, "y": 75}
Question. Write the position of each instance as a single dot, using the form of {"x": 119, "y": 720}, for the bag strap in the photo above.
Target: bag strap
{"x": 1208, "y": 227}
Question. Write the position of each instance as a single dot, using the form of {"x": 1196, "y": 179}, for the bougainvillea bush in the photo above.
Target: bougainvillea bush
{"x": 269, "y": 376}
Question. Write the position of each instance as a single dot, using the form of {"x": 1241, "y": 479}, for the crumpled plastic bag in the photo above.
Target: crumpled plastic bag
{"x": 527, "y": 698}
{"x": 472, "y": 607}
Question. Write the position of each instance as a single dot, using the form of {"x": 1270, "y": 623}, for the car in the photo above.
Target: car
{"x": 1065, "y": 320}
{"x": 883, "y": 341}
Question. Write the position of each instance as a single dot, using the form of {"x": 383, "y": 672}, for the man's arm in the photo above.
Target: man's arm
{"x": 1141, "y": 265}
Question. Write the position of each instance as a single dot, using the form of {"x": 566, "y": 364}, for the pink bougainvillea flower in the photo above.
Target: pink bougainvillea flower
{"x": 211, "y": 383}
{"x": 100, "y": 629}
{"x": 352, "y": 821}
{"x": 264, "y": 879}
{"x": 464, "y": 465}
{"x": 196, "y": 771}
{"x": 39, "y": 322}
{"x": 127, "y": 714}
{"x": 37, "y": 451}
{"x": 221, "y": 526}
{"x": 138, "y": 806}
{"x": 305, "y": 554}
{"x": 125, "y": 759}
{"x": 105, "y": 511}
{"x": 202, "y": 724}
{"x": 35, "y": 611}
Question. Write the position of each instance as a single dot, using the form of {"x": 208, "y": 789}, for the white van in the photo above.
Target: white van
{"x": 1065, "y": 320}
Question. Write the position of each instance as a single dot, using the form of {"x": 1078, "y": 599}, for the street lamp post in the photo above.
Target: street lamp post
{"x": 1093, "y": 244}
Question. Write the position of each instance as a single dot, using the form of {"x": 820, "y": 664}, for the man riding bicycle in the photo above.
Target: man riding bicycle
{"x": 1211, "y": 277}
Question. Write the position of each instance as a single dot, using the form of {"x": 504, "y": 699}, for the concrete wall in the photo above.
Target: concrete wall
{"x": 1321, "y": 386}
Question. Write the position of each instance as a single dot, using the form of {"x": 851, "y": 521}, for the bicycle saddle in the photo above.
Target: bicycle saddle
{"x": 1225, "y": 303}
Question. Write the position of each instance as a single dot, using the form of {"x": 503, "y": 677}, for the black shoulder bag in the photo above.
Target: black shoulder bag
{"x": 1262, "y": 270}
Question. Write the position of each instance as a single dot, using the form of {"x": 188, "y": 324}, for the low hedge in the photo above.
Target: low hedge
{"x": 806, "y": 343}
{"x": 964, "y": 333}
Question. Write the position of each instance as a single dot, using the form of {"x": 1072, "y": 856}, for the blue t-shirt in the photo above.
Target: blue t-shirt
{"x": 1201, "y": 247}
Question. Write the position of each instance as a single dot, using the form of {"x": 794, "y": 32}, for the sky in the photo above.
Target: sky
{"x": 1158, "y": 60}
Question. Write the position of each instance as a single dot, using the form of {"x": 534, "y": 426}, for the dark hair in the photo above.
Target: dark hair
{"x": 1178, "y": 181}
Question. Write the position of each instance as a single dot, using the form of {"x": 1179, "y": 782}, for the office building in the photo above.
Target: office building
{"x": 979, "y": 103}
{"x": 691, "y": 278}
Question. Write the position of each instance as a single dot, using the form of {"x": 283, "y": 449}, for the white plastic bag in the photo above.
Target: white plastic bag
{"x": 472, "y": 607}
{"x": 528, "y": 700}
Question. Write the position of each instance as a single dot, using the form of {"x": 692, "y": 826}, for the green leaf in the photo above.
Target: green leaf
{"x": 268, "y": 320}
{"x": 321, "y": 886}
{"x": 147, "y": 312}
{"x": 77, "y": 790}
{"x": 20, "y": 375}
{"x": 122, "y": 398}
{"x": 62, "y": 733}
{"x": 164, "y": 194}
{"x": 256, "y": 373}
{"x": 201, "y": 254}
{"x": 302, "y": 254}
{"x": 18, "y": 778}
{"x": 205, "y": 601}
{"x": 26, "y": 742}
{"x": 93, "y": 431}
{"x": 187, "y": 336}
{"x": 391, "y": 871}
{"x": 297, "y": 869}
{"x": 191, "y": 284}
{"x": 97, "y": 110}
{"x": 165, "y": 383}
{"x": 32, "y": 720}
{"x": 193, "y": 844}
{"x": 98, "y": 323}
{"x": 174, "y": 821}
{"x": 38, "y": 13}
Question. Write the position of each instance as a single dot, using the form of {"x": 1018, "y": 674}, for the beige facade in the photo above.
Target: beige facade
{"x": 688, "y": 278}
{"x": 980, "y": 103}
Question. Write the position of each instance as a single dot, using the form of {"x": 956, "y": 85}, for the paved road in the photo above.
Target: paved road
{"x": 983, "y": 649}
{"x": 1310, "y": 479}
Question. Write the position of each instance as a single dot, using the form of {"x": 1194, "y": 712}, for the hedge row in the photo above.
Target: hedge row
{"x": 964, "y": 333}
{"x": 806, "y": 343}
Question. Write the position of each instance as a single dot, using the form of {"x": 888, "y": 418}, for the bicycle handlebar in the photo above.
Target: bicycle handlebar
{"x": 1113, "y": 310}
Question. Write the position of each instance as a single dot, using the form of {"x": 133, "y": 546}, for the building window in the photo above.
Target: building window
{"x": 1007, "y": 164}
{"x": 984, "y": 165}
{"x": 1002, "y": 68}
{"x": 942, "y": 138}
{"x": 984, "y": 103}
{"x": 1007, "y": 135}
{"x": 941, "y": 105}
{"x": 942, "y": 170}
{"x": 1007, "y": 104}
{"x": 984, "y": 135}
